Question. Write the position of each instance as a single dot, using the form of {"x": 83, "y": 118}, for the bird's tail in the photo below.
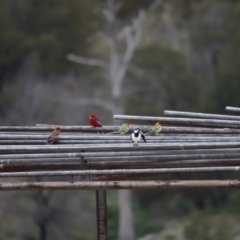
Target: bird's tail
{"x": 52, "y": 140}
{"x": 148, "y": 133}
{"x": 110, "y": 133}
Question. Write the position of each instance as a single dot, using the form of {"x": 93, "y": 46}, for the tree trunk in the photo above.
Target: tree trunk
{"x": 126, "y": 223}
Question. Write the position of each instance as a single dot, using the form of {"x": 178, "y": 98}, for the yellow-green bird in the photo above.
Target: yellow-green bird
{"x": 123, "y": 129}
{"x": 157, "y": 128}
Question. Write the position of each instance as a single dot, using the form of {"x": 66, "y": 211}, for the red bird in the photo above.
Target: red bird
{"x": 93, "y": 120}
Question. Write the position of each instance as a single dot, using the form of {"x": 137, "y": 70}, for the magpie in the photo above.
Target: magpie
{"x": 136, "y": 136}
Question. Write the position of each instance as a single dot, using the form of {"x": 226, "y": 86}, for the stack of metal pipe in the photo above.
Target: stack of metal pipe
{"x": 188, "y": 142}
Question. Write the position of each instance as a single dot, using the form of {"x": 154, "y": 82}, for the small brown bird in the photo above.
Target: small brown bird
{"x": 53, "y": 137}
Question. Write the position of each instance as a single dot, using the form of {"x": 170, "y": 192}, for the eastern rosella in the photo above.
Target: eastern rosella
{"x": 93, "y": 120}
{"x": 123, "y": 129}
{"x": 136, "y": 136}
{"x": 53, "y": 137}
{"x": 156, "y": 129}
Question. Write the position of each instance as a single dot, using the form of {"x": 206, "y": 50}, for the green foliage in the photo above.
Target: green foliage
{"x": 142, "y": 224}
{"x": 131, "y": 8}
{"x": 209, "y": 227}
{"x": 179, "y": 206}
{"x": 59, "y": 27}
{"x": 14, "y": 47}
{"x": 169, "y": 237}
{"x": 166, "y": 204}
{"x": 233, "y": 202}
{"x": 165, "y": 80}
{"x": 112, "y": 215}
{"x": 83, "y": 236}
{"x": 49, "y": 29}
{"x": 227, "y": 88}
{"x": 227, "y": 72}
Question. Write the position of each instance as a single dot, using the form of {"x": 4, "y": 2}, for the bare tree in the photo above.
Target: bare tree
{"x": 116, "y": 68}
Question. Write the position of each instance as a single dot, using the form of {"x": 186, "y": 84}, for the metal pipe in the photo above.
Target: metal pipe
{"x": 200, "y": 115}
{"x": 233, "y": 109}
{"x": 122, "y": 171}
{"x": 172, "y": 184}
{"x": 115, "y": 154}
{"x": 121, "y": 158}
{"x": 96, "y": 137}
{"x": 164, "y": 157}
{"x": 118, "y": 165}
{"x": 82, "y": 129}
{"x": 183, "y": 121}
{"x": 121, "y": 141}
{"x": 113, "y": 147}
{"x": 165, "y": 130}
{"x": 40, "y": 127}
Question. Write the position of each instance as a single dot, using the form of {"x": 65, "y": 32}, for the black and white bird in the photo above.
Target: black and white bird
{"x": 136, "y": 136}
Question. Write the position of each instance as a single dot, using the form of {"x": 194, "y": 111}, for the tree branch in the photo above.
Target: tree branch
{"x": 114, "y": 58}
{"x": 86, "y": 61}
{"x": 117, "y": 67}
{"x": 108, "y": 15}
{"x": 151, "y": 8}
{"x": 154, "y": 5}
{"x": 132, "y": 40}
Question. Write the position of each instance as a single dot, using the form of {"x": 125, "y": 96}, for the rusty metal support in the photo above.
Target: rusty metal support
{"x": 118, "y": 165}
{"x": 122, "y": 171}
{"x": 101, "y": 210}
{"x": 102, "y": 185}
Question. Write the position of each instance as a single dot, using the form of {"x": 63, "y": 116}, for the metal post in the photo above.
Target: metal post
{"x": 101, "y": 208}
